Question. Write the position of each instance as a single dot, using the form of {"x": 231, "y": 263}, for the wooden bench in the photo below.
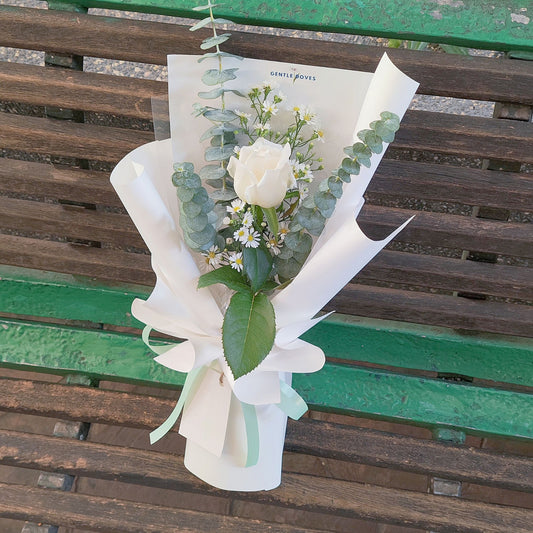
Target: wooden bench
{"x": 431, "y": 342}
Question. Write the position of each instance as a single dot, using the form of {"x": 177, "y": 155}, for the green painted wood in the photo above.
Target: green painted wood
{"x": 490, "y": 357}
{"x": 97, "y": 354}
{"x": 507, "y": 359}
{"x": 345, "y": 389}
{"x": 502, "y": 25}
{"x": 420, "y": 401}
{"x": 66, "y": 297}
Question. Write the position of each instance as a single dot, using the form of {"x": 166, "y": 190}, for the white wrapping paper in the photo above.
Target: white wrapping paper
{"x": 213, "y": 421}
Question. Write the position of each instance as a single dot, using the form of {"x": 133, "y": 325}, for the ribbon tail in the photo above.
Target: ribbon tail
{"x": 158, "y": 349}
{"x": 166, "y": 426}
{"x": 252, "y": 434}
{"x": 292, "y": 404}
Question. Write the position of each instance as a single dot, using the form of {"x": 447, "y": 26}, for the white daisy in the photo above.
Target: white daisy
{"x": 272, "y": 243}
{"x": 247, "y": 219}
{"x": 252, "y": 240}
{"x": 283, "y": 230}
{"x": 269, "y": 106}
{"x": 236, "y": 206}
{"x": 235, "y": 261}
{"x": 213, "y": 256}
{"x": 241, "y": 234}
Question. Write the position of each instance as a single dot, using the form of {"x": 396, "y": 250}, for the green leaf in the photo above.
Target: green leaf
{"x": 351, "y": 166}
{"x": 215, "y": 77}
{"x": 204, "y": 237}
{"x": 209, "y": 55}
{"x": 187, "y": 181}
{"x": 219, "y": 115}
{"x": 311, "y": 220}
{"x": 227, "y": 276}
{"x": 211, "y": 95}
{"x": 224, "y": 195}
{"x": 335, "y": 186}
{"x": 210, "y": 42}
{"x": 197, "y": 223}
{"x": 206, "y": 21}
{"x": 204, "y": 7}
{"x": 325, "y": 202}
{"x": 219, "y": 153}
{"x": 381, "y": 129}
{"x": 299, "y": 242}
{"x": 212, "y": 172}
{"x": 344, "y": 176}
{"x": 393, "y": 120}
{"x": 372, "y": 140}
{"x": 272, "y": 219}
{"x": 257, "y": 266}
{"x": 248, "y": 332}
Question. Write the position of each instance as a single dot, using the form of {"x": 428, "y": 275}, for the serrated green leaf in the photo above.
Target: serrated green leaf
{"x": 219, "y": 115}
{"x": 210, "y": 55}
{"x": 257, "y": 266}
{"x": 248, "y": 332}
{"x": 227, "y": 276}
{"x": 211, "y": 42}
{"x": 212, "y": 172}
{"x": 215, "y": 77}
{"x": 218, "y": 153}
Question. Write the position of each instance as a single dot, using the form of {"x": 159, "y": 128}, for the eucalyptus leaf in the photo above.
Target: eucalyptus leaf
{"x": 392, "y": 119}
{"x": 299, "y": 242}
{"x": 372, "y": 140}
{"x": 211, "y": 42}
{"x": 216, "y": 77}
{"x": 197, "y": 223}
{"x": 219, "y": 153}
{"x": 212, "y": 172}
{"x": 287, "y": 268}
{"x": 224, "y": 195}
{"x": 352, "y": 166}
{"x": 383, "y": 131}
{"x": 190, "y": 209}
{"x": 183, "y": 168}
{"x": 311, "y": 220}
{"x": 208, "y": 206}
{"x": 227, "y": 276}
{"x": 224, "y": 138}
{"x": 206, "y": 21}
{"x": 248, "y": 332}
{"x": 325, "y": 202}
{"x": 200, "y": 196}
{"x": 335, "y": 186}
{"x": 257, "y": 266}
{"x": 211, "y": 95}
{"x": 210, "y": 55}
{"x": 344, "y": 176}
{"x": 219, "y": 115}
{"x": 188, "y": 181}
{"x": 184, "y": 194}
{"x": 204, "y": 237}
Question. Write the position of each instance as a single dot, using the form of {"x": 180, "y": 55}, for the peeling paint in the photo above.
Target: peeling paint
{"x": 521, "y": 19}
{"x": 451, "y": 3}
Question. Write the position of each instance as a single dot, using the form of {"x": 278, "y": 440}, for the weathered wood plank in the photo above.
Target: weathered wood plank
{"x": 125, "y": 39}
{"x": 449, "y": 274}
{"x": 434, "y": 309}
{"x": 446, "y": 183}
{"x": 111, "y": 515}
{"x": 70, "y": 139}
{"x": 323, "y": 439}
{"x": 117, "y": 95}
{"x": 300, "y": 491}
{"x": 55, "y": 182}
{"x": 68, "y": 221}
{"x": 449, "y": 231}
{"x": 101, "y": 263}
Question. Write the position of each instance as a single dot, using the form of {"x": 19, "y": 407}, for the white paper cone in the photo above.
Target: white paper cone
{"x": 228, "y": 472}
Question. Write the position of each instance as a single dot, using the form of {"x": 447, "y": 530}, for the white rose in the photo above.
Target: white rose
{"x": 262, "y": 174}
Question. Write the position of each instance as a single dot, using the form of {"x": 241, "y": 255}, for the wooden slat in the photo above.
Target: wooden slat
{"x": 508, "y": 140}
{"x": 421, "y": 130}
{"x": 111, "y": 515}
{"x": 451, "y": 75}
{"x": 70, "y": 139}
{"x": 446, "y": 183}
{"x": 303, "y": 492}
{"x": 434, "y": 309}
{"x": 101, "y": 263}
{"x": 68, "y": 221}
{"x": 62, "y": 183}
{"x": 71, "y": 89}
{"x": 311, "y": 437}
{"x": 450, "y": 274}
{"x": 449, "y": 231}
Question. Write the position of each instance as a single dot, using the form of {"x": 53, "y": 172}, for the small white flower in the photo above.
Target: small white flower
{"x": 236, "y": 206}
{"x": 247, "y": 219}
{"x": 213, "y": 256}
{"x": 242, "y": 114}
{"x": 283, "y": 230}
{"x": 252, "y": 240}
{"x": 319, "y": 135}
{"x": 272, "y": 243}
{"x": 226, "y": 221}
{"x": 241, "y": 234}
{"x": 236, "y": 149}
{"x": 235, "y": 261}
{"x": 269, "y": 106}
{"x": 263, "y": 127}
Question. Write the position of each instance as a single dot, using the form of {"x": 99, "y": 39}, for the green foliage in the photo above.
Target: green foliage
{"x": 257, "y": 266}
{"x": 248, "y": 331}
{"x": 227, "y": 276}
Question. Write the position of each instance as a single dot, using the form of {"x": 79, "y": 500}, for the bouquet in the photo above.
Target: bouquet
{"x": 249, "y": 212}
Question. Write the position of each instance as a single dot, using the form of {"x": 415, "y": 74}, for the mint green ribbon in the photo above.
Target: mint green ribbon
{"x": 291, "y": 403}
{"x": 194, "y": 375}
